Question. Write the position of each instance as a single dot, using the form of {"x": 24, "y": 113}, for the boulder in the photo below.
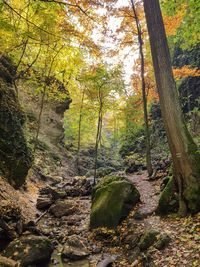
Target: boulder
{"x": 163, "y": 241}
{"x": 55, "y": 192}
{"x": 29, "y": 250}
{"x": 15, "y": 156}
{"x": 75, "y": 248}
{"x": 148, "y": 239}
{"x": 43, "y": 203}
{"x": 63, "y": 208}
{"x": 79, "y": 186}
{"x": 112, "y": 200}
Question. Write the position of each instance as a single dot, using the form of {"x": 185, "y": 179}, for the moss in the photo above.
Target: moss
{"x": 112, "y": 203}
{"x": 168, "y": 201}
{"x": 148, "y": 239}
{"x": 163, "y": 241}
{"x": 192, "y": 195}
{"x": 171, "y": 170}
{"x": 15, "y": 156}
{"x": 105, "y": 181}
{"x": 30, "y": 250}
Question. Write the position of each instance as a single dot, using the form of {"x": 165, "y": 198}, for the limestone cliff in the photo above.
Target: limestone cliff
{"x": 15, "y": 156}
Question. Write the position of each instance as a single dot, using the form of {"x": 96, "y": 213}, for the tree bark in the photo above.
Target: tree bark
{"x": 79, "y": 133}
{"x": 98, "y": 135}
{"x": 147, "y": 134}
{"x": 185, "y": 155}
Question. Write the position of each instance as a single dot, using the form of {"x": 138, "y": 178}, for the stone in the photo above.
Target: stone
{"x": 63, "y": 208}
{"x": 43, "y": 203}
{"x": 53, "y": 191}
{"x": 75, "y": 248}
{"x": 5, "y": 262}
{"x": 112, "y": 200}
{"x": 29, "y": 250}
{"x": 163, "y": 241}
{"x": 79, "y": 186}
{"x": 148, "y": 239}
{"x": 15, "y": 156}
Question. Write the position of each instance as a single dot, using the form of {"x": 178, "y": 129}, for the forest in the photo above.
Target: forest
{"x": 99, "y": 133}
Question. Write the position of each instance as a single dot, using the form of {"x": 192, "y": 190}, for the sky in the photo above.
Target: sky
{"x": 128, "y": 55}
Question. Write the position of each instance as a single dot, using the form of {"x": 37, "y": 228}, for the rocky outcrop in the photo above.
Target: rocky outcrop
{"x": 112, "y": 201}
{"x": 57, "y": 101}
{"x": 29, "y": 250}
{"x": 15, "y": 156}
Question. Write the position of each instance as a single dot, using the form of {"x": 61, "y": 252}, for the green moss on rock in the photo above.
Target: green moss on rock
{"x": 163, "y": 241}
{"x": 15, "y": 156}
{"x": 148, "y": 239}
{"x": 29, "y": 250}
{"x": 168, "y": 201}
{"x": 112, "y": 202}
{"x": 192, "y": 195}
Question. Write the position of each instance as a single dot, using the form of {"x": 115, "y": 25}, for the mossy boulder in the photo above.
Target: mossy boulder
{"x": 163, "y": 241}
{"x": 168, "y": 201}
{"x": 112, "y": 200}
{"x": 15, "y": 156}
{"x": 29, "y": 250}
{"x": 148, "y": 239}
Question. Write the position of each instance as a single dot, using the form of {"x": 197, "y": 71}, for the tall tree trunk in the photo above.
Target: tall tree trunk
{"x": 79, "y": 132}
{"x": 147, "y": 134}
{"x": 99, "y": 127}
{"x": 186, "y": 157}
{"x": 97, "y": 141}
{"x": 80, "y": 121}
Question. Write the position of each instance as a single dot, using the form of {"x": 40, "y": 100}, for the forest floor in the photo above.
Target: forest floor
{"x": 184, "y": 247}
{"x": 182, "y": 251}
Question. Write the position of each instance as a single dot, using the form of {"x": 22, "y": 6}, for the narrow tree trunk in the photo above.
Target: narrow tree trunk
{"x": 186, "y": 157}
{"x": 97, "y": 141}
{"x": 147, "y": 134}
{"x": 80, "y": 121}
{"x": 19, "y": 62}
{"x": 79, "y": 132}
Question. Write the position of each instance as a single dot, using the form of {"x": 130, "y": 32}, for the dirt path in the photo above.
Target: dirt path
{"x": 148, "y": 196}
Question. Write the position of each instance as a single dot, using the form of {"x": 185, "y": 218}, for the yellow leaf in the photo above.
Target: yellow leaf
{"x": 195, "y": 263}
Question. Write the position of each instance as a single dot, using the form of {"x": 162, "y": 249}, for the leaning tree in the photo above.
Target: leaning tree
{"x": 185, "y": 154}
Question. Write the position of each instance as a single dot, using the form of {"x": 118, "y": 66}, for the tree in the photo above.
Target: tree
{"x": 102, "y": 85}
{"x": 185, "y": 155}
{"x": 188, "y": 34}
{"x": 147, "y": 134}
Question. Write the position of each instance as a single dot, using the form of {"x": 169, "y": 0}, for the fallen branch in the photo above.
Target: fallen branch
{"x": 40, "y": 217}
